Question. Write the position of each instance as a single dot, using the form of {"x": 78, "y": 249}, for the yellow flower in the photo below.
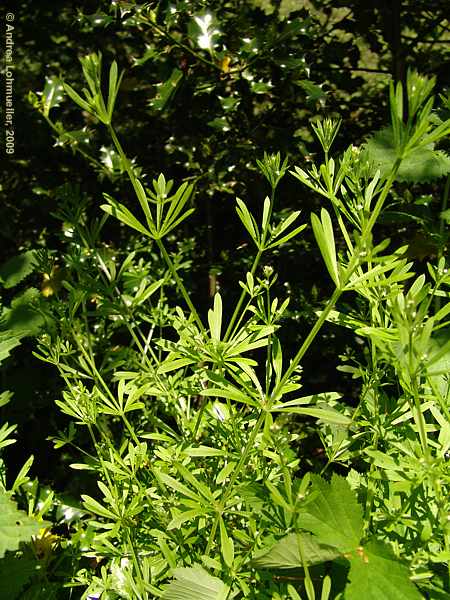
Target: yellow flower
{"x": 44, "y": 543}
{"x": 51, "y": 282}
{"x": 225, "y": 64}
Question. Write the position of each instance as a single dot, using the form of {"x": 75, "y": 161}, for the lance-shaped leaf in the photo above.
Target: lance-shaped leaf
{"x": 215, "y": 318}
{"x": 122, "y": 213}
{"x": 142, "y": 197}
{"x": 226, "y": 545}
{"x": 174, "y": 215}
{"x": 323, "y": 232}
{"x": 84, "y": 104}
{"x": 114, "y": 83}
{"x": 327, "y": 414}
{"x": 266, "y": 214}
{"x": 277, "y": 238}
{"x": 321, "y": 410}
{"x": 224, "y": 389}
{"x": 195, "y": 583}
{"x": 248, "y": 221}
{"x": 177, "y": 486}
{"x": 195, "y": 483}
{"x": 182, "y": 517}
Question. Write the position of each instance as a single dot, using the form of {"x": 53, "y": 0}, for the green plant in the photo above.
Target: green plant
{"x": 186, "y": 431}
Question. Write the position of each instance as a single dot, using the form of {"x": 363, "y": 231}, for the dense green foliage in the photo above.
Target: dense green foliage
{"x": 233, "y": 380}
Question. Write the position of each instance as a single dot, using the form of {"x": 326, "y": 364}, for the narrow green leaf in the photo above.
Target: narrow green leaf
{"x": 225, "y": 472}
{"x": 177, "y": 486}
{"x": 114, "y": 84}
{"x": 287, "y": 237}
{"x": 215, "y": 318}
{"x": 266, "y": 211}
{"x": 230, "y": 393}
{"x": 142, "y": 197}
{"x": 203, "y": 451}
{"x": 174, "y": 365}
{"x": 224, "y": 389}
{"x": 226, "y": 545}
{"x": 324, "y": 396}
{"x": 77, "y": 99}
{"x": 122, "y": 213}
{"x": 98, "y": 509}
{"x": 148, "y": 292}
{"x": 195, "y": 483}
{"x": 323, "y": 232}
{"x": 247, "y": 220}
{"x": 328, "y": 415}
{"x": 183, "y": 517}
{"x": 277, "y": 359}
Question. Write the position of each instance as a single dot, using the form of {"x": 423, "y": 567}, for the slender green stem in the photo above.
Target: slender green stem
{"x": 304, "y": 565}
{"x": 307, "y": 343}
{"x": 420, "y": 422}
{"x": 237, "y": 310}
{"x": 159, "y": 242}
{"x": 236, "y": 473}
{"x": 354, "y": 261}
{"x": 255, "y": 265}
{"x": 180, "y": 284}
{"x": 136, "y": 564}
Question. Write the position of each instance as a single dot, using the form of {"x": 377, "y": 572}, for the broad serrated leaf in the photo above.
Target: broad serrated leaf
{"x": 22, "y": 319}
{"x": 15, "y": 525}
{"x": 376, "y": 574}
{"x": 195, "y": 584}
{"x": 17, "y": 268}
{"x": 421, "y": 165}
{"x": 334, "y": 515}
{"x": 285, "y": 553}
{"x": 7, "y": 343}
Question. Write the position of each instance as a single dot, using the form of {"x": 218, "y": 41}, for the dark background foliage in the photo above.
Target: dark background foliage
{"x": 277, "y": 66}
